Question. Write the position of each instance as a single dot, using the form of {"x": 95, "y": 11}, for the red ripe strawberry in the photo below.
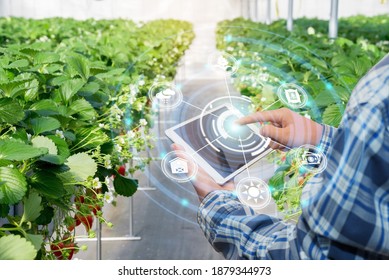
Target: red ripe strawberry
{"x": 72, "y": 226}
{"x": 57, "y": 250}
{"x": 122, "y": 170}
{"x": 94, "y": 209}
{"x": 77, "y": 218}
{"x": 87, "y": 221}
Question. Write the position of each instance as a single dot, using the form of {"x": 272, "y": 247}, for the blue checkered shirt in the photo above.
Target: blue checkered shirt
{"x": 345, "y": 214}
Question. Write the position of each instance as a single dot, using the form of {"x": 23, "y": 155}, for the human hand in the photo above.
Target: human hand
{"x": 286, "y": 127}
{"x": 202, "y": 182}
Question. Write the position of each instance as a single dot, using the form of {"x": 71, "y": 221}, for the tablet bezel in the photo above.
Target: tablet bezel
{"x": 170, "y": 133}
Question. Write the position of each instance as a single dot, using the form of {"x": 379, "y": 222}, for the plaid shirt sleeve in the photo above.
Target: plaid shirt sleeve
{"x": 345, "y": 209}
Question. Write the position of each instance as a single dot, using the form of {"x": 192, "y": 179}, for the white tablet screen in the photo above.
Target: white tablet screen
{"x": 220, "y": 142}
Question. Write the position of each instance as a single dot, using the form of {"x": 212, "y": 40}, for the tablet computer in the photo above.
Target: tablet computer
{"x": 218, "y": 145}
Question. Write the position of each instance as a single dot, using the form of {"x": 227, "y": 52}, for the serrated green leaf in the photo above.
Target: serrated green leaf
{"x": 44, "y": 142}
{"x": 69, "y": 88}
{"x": 45, "y": 107}
{"x": 31, "y": 90}
{"x": 333, "y": 115}
{"x": 89, "y": 89}
{"x": 10, "y": 111}
{"x": 15, "y": 150}
{"x": 125, "y": 186}
{"x": 80, "y": 66}
{"x": 35, "y": 240}
{"x": 13, "y": 185}
{"x": 63, "y": 151}
{"x": 48, "y": 184}
{"x": 82, "y": 166}
{"x": 325, "y": 98}
{"x": 18, "y": 64}
{"x": 14, "y": 247}
{"x": 32, "y": 207}
{"x": 46, "y": 216}
{"x": 83, "y": 109}
{"x": 46, "y": 57}
{"x": 4, "y": 210}
{"x": 90, "y": 137}
{"x": 111, "y": 73}
{"x": 43, "y": 124}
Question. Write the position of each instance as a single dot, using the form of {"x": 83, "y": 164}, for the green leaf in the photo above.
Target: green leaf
{"x": 15, "y": 150}
{"x": 69, "y": 88}
{"x": 45, "y": 107}
{"x": 63, "y": 151}
{"x": 333, "y": 115}
{"x": 277, "y": 181}
{"x": 18, "y": 64}
{"x": 125, "y": 186}
{"x": 79, "y": 65}
{"x": 43, "y": 124}
{"x": 325, "y": 98}
{"x": 35, "y": 240}
{"x": 13, "y": 185}
{"x": 31, "y": 90}
{"x": 4, "y": 210}
{"x": 14, "y": 247}
{"x": 82, "y": 166}
{"x": 83, "y": 109}
{"x": 32, "y": 207}
{"x": 89, "y": 89}
{"x": 46, "y": 57}
{"x": 46, "y": 216}
{"x": 48, "y": 184}
{"x": 10, "y": 111}
{"x": 44, "y": 142}
{"x": 90, "y": 137}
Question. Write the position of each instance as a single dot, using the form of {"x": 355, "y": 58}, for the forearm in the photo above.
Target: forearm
{"x": 236, "y": 232}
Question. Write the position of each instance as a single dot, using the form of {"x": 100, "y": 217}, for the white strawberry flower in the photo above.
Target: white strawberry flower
{"x": 142, "y": 122}
{"x": 108, "y": 197}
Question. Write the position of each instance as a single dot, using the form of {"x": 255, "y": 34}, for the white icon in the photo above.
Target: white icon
{"x": 310, "y": 158}
{"x": 179, "y": 166}
{"x": 293, "y": 96}
{"x": 165, "y": 95}
{"x": 253, "y": 192}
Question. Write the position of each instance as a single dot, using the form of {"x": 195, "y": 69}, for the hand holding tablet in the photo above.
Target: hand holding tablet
{"x": 218, "y": 144}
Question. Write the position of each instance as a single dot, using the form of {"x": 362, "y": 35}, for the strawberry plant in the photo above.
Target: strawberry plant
{"x": 73, "y": 110}
{"x": 328, "y": 70}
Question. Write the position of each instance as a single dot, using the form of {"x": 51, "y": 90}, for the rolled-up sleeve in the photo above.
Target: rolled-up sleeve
{"x": 238, "y": 233}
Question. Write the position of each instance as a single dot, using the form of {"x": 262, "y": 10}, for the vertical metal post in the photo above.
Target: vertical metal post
{"x": 289, "y": 23}
{"x": 333, "y": 24}
{"x": 268, "y": 12}
{"x": 131, "y": 218}
{"x": 248, "y": 15}
{"x": 98, "y": 238}
{"x": 241, "y": 8}
{"x": 256, "y": 10}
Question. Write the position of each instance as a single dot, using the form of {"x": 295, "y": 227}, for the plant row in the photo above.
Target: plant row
{"x": 328, "y": 70}
{"x": 73, "y": 113}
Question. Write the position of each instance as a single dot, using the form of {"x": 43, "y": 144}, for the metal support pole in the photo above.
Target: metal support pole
{"x": 268, "y": 12}
{"x": 289, "y": 23}
{"x": 98, "y": 238}
{"x": 131, "y": 218}
{"x": 248, "y": 15}
{"x": 333, "y": 24}
{"x": 256, "y": 10}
